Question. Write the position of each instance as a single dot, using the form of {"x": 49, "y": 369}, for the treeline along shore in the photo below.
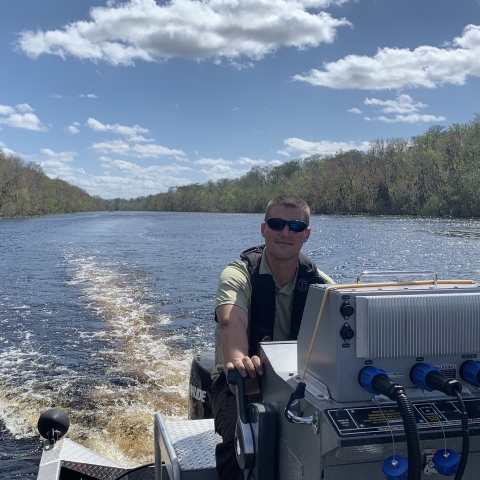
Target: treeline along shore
{"x": 435, "y": 174}
{"x": 25, "y": 190}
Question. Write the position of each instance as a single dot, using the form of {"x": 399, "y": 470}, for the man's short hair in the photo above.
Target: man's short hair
{"x": 289, "y": 201}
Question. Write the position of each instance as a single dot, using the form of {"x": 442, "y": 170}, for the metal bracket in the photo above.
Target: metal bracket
{"x": 312, "y": 420}
{"x": 390, "y": 273}
{"x": 428, "y": 454}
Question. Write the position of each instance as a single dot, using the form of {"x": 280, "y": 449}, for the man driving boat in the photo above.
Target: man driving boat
{"x": 260, "y": 297}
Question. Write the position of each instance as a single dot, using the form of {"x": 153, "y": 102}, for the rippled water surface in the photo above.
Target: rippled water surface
{"x": 101, "y": 313}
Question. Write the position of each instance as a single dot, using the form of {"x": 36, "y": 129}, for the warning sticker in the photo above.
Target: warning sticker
{"x": 448, "y": 370}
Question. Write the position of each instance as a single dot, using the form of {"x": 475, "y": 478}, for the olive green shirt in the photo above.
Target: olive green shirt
{"x": 235, "y": 288}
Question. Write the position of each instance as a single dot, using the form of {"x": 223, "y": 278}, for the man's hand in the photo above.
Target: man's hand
{"x": 248, "y": 367}
{"x": 233, "y": 322}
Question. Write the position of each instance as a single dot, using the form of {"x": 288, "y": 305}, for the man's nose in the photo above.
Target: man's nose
{"x": 285, "y": 230}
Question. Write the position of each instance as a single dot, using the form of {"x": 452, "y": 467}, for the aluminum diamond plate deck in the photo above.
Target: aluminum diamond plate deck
{"x": 194, "y": 442}
{"x": 71, "y": 455}
{"x": 68, "y": 450}
{"x": 96, "y": 471}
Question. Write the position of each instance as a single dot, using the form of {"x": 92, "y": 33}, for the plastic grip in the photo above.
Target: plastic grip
{"x": 419, "y": 375}
{"x": 367, "y": 376}
{"x": 470, "y": 372}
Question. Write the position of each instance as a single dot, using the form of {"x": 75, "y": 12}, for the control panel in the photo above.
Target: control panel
{"x": 353, "y": 424}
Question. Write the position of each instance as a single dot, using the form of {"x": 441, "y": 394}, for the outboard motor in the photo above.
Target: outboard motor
{"x": 199, "y": 406}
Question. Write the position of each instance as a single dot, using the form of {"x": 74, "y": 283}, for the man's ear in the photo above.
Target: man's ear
{"x": 262, "y": 229}
{"x": 307, "y": 234}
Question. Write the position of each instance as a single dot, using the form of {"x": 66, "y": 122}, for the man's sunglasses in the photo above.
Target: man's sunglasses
{"x": 293, "y": 225}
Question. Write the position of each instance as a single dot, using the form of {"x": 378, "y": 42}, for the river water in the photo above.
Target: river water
{"x": 101, "y": 313}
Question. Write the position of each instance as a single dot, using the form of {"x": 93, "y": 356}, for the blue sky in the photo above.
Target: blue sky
{"x": 129, "y": 98}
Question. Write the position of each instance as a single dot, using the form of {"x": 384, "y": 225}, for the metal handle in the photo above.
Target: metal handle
{"x": 312, "y": 420}
{"x": 390, "y": 273}
{"x": 234, "y": 378}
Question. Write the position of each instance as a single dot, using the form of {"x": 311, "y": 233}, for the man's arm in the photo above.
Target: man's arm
{"x": 233, "y": 321}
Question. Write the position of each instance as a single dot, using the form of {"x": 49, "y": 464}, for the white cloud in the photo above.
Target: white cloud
{"x": 238, "y": 65}
{"x": 402, "y": 104}
{"x": 152, "y": 150}
{"x": 122, "y": 33}
{"x": 6, "y": 110}
{"x": 284, "y": 153}
{"x": 73, "y": 129}
{"x": 114, "y": 186}
{"x": 354, "y": 110}
{"x": 325, "y": 147}
{"x": 217, "y": 172}
{"x": 121, "y": 179}
{"x": 119, "y": 165}
{"x": 394, "y": 68}
{"x": 56, "y": 95}
{"x": 88, "y": 95}
{"x": 136, "y": 171}
{"x": 412, "y": 118}
{"x": 221, "y": 161}
{"x": 24, "y": 107}
{"x": 222, "y": 168}
{"x": 120, "y": 129}
{"x": 25, "y": 119}
{"x": 63, "y": 157}
{"x": 129, "y": 180}
{"x": 249, "y": 161}
{"x": 28, "y": 121}
{"x": 120, "y": 147}
{"x": 56, "y": 164}
{"x": 275, "y": 163}
{"x": 6, "y": 150}
{"x": 213, "y": 161}
{"x": 139, "y": 138}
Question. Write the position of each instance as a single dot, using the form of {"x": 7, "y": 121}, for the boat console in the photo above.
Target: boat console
{"x": 420, "y": 340}
{"x": 384, "y": 382}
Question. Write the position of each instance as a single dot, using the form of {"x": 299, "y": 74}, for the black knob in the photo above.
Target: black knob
{"x": 341, "y": 413}
{"x": 346, "y": 309}
{"x": 347, "y": 332}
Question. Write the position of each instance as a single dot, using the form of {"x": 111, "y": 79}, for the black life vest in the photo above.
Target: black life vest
{"x": 262, "y": 306}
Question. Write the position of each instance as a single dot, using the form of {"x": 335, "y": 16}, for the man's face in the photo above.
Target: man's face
{"x": 284, "y": 244}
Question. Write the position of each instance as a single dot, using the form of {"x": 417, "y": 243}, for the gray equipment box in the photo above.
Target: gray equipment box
{"x": 391, "y": 327}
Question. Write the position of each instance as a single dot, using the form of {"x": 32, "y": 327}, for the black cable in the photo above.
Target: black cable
{"x": 128, "y": 472}
{"x": 394, "y": 391}
{"x": 465, "y": 438}
{"x": 411, "y": 434}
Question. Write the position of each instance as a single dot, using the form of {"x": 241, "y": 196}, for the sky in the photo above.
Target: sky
{"x": 129, "y": 98}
